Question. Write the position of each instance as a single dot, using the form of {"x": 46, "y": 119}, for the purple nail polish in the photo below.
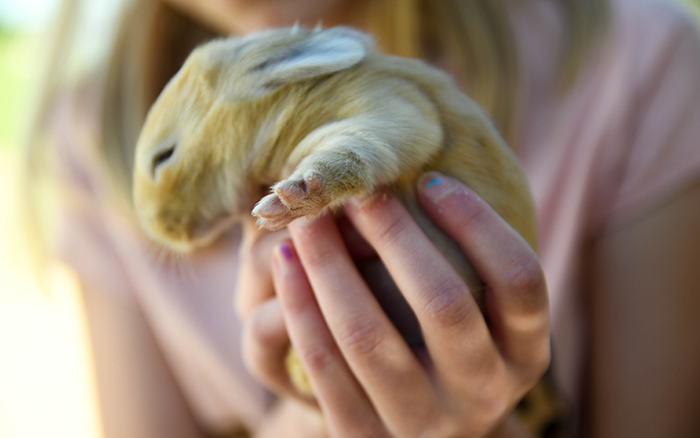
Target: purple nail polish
{"x": 287, "y": 251}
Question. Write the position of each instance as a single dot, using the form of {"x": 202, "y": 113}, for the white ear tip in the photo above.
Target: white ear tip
{"x": 295, "y": 28}
{"x": 350, "y": 33}
{"x": 319, "y": 26}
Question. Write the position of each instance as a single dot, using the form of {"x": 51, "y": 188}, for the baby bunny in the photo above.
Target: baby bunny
{"x": 319, "y": 116}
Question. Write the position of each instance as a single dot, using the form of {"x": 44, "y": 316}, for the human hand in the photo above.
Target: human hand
{"x": 366, "y": 379}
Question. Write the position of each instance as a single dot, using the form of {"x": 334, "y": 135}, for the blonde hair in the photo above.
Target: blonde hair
{"x": 153, "y": 40}
{"x": 477, "y": 36}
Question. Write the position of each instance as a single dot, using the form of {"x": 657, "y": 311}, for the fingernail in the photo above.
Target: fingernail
{"x": 433, "y": 182}
{"x": 286, "y": 250}
{"x": 436, "y": 187}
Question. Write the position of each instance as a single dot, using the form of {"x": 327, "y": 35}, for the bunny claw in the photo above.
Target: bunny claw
{"x": 314, "y": 181}
{"x": 295, "y": 191}
{"x": 271, "y": 224}
{"x": 269, "y": 207}
{"x": 290, "y": 191}
{"x": 271, "y": 213}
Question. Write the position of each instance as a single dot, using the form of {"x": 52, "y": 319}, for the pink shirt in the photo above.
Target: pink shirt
{"x": 625, "y": 138}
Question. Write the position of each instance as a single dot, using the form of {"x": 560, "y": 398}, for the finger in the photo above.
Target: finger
{"x": 265, "y": 345}
{"x": 344, "y": 403}
{"x": 517, "y": 302}
{"x": 371, "y": 345}
{"x": 254, "y": 283}
{"x": 453, "y": 327}
{"x": 357, "y": 247}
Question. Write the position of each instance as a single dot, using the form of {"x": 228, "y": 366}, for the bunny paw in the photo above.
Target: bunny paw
{"x": 290, "y": 199}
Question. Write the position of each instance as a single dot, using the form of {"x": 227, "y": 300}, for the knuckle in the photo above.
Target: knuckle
{"x": 492, "y": 398}
{"x": 448, "y": 303}
{"x": 529, "y": 277}
{"x": 257, "y": 331}
{"x": 392, "y": 229}
{"x": 493, "y": 409}
{"x": 544, "y": 360}
{"x": 269, "y": 374}
{"x": 489, "y": 406}
{"x": 258, "y": 362}
{"x": 318, "y": 256}
{"x": 252, "y": 289}
{"x": 540, "y": 362}
{"x": 317, "y": 359}
{"x": 361, "y": 338}
{"x": 260, "y": 331}
{"x": 528, "y": 282}
{"x": 489, "y": 402}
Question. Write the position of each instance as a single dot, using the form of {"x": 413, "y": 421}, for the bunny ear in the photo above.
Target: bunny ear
{"x": 324, "y": 52}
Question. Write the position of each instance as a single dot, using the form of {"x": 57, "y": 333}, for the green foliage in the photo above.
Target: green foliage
{"x": 694, "y": 3}
{"x": 18, "y": 70}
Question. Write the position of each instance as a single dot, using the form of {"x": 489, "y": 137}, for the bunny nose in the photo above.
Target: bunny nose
{"x": 161, "y": 158}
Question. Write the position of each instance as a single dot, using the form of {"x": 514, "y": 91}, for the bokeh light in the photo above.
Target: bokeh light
{"x": 46, "y": 379}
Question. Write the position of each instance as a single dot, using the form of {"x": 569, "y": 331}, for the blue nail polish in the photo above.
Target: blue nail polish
{"x": 433, "y": 182}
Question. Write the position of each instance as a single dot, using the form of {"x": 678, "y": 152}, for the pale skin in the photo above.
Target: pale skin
{"x": 367, "y": 381}
{"x": 344, "y": 369}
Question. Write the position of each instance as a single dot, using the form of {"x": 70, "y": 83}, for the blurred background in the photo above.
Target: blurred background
{"x": 46, "y": 380}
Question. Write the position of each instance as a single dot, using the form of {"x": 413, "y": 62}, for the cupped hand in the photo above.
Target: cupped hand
{"x": 366, "y": 379}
